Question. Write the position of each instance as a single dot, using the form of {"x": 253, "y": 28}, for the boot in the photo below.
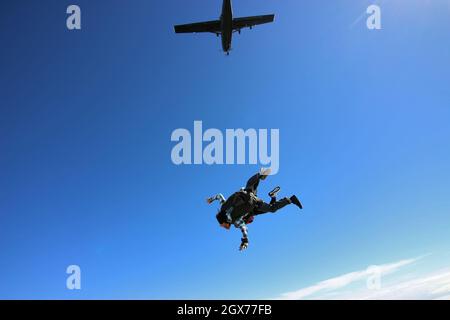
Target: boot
{"x": 274, "y": 192}
{"x": 295, "y": 201}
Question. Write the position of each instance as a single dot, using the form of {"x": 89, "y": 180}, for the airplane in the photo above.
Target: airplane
{"x": 225, "y": 26}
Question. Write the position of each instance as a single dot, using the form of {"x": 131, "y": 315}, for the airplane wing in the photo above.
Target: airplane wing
{"x": 249, "y": 22}
{"x": 207, "y": 26}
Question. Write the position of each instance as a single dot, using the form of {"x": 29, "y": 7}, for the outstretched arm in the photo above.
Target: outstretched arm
{"x": 244, "y": 239}
{"x": 219, "y": 197}
{"x": 243, "y": 227}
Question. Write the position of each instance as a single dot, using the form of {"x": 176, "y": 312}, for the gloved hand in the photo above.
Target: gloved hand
{"x": 244, "y": 244}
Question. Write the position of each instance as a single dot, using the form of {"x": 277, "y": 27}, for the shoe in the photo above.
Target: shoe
{"x": 264, "y": 172}
{"x": 295, "y": 201}
{"x": 274, "y": 192}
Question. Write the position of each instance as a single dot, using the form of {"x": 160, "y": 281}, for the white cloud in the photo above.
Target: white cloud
{"x": 432, "y": 285}
{"x": 435, "y": 285}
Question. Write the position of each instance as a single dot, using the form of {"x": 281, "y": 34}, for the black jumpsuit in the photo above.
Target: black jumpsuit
{"x": 259, "y": 206}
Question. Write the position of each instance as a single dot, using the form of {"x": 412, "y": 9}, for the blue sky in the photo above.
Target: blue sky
{"x": 86, "y": 117}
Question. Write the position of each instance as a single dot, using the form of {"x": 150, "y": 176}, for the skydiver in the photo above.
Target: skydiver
{"x": 242, "y": 206}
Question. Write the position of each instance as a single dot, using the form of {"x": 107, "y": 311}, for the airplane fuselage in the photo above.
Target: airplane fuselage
{"x": 225, "y": 26}
{"x": 226, "y": 20}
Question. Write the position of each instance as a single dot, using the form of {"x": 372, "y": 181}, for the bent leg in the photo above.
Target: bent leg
{"x": 252, "y": 184}
{"x": 263, "y": 207}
